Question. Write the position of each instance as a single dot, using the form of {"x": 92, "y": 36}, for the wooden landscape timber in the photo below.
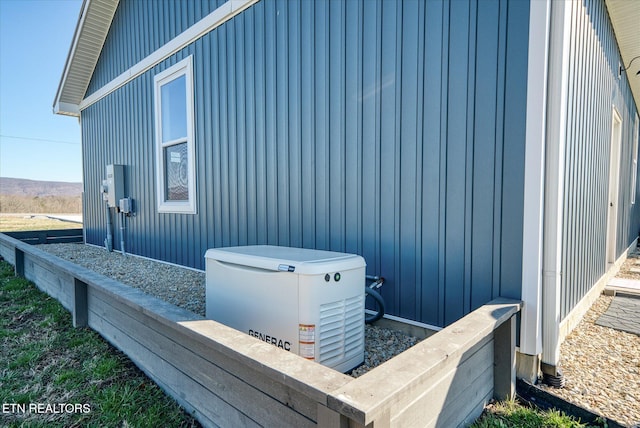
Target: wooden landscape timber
{"x": 227, "y": 378}
{"x": 61, "y": 236}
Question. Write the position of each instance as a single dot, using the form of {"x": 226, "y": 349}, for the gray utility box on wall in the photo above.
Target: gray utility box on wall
{"x": 114, "y": 184}
{"x": 309, "y": 302}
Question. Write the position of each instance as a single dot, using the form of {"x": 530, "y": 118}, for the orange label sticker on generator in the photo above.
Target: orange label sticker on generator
{"x": 307, "y": 339}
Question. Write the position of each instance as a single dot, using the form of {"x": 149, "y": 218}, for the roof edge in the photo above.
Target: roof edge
{"x": 70, "y": 55}
{"x": 66, "y": 109}
{"x": 91, "y": 31}
{"x": 624, "y": 16}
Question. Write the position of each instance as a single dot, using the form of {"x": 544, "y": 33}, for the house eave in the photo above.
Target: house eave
{"x": 89, "y": 36}
{"x": 66, "y": 109}
{"x": 625, "y": 16}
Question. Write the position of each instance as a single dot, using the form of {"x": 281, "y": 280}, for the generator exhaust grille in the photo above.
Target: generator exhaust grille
{"x": 341, "y": 330}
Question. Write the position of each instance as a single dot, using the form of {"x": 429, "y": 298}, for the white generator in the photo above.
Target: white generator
{"x": 309, "y": 302}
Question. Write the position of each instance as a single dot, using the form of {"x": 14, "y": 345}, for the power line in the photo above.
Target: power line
{"x": 14, "y": 137}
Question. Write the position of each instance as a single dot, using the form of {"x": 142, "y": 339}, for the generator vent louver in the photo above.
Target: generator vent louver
{"x": 341, "y": 329}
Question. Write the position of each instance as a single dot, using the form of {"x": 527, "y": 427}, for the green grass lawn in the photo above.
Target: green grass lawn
{"x": 52, "y": 374}
{"x": 16, "y": 223}
{"x": 511, "y": 414}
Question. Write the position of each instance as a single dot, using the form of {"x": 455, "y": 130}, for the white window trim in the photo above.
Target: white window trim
{"x": 184, "y": 67}
{"x": 634, "y": 163}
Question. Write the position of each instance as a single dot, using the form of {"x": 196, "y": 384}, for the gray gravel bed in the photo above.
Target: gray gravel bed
{"x": 185, "y": 288}
{"x": 602, "y": 368}
{"x": 601, "y": 365}
{"x": 382, "y": 344}
{"x": 174, "y": 284}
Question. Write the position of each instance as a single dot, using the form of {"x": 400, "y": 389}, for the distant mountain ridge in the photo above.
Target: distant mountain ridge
{"x": 32, "y": 188}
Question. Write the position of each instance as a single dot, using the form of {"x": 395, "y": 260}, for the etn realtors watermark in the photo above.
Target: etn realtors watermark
{"x": 42, "y": 408}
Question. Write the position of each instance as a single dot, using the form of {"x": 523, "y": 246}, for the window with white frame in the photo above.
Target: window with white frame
{"x": 175, "y": 151}
{"x": 634, "y": 165}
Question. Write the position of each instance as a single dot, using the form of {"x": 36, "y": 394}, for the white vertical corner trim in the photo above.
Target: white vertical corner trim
{"x": 222, "y": 14}
{"x": 557, "y": 96}
{"x": 182, "y": 68}
{"x": 534, "y": 167}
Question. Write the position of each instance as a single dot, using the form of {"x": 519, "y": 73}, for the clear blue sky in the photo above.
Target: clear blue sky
{"x": 35, "y": 36}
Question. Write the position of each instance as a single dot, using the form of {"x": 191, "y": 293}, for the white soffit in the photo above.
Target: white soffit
{"x": 625, "y": 17}
{"x": 91, "y": 31}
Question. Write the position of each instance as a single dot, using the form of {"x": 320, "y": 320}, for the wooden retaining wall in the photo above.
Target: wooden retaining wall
{"x": 227, "y": 378}
{"x": 58, "y": 236}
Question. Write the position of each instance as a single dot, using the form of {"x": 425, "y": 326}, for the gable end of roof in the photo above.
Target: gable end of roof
{"x": 89, "y": 37}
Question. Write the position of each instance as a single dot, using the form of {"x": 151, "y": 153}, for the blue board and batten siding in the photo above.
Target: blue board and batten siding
{"x": 139, "y": 28}
{"x": 594, "y": 90}
{"x": 390, "y": 129}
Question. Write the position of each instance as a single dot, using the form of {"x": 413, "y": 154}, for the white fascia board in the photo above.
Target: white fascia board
{"x": 70, "y": 56}
{"x": 532, "y": 230}
{"x": 216, "y": 18}
{"x": 66, "y": 109}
